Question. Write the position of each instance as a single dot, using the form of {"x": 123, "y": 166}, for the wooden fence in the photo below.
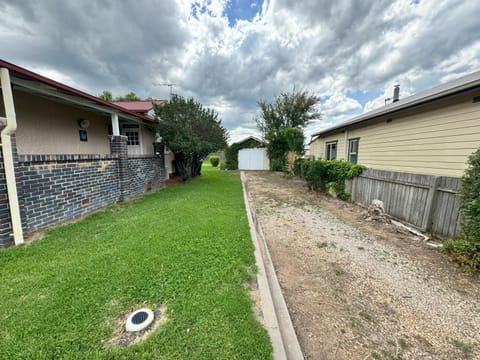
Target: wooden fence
{"x": 427, "y": 202}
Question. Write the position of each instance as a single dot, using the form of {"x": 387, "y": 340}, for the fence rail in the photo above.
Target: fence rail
{"x": 425, "y": 201}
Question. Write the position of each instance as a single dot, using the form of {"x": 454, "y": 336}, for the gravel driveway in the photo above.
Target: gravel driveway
{"x": 362, "y": 290}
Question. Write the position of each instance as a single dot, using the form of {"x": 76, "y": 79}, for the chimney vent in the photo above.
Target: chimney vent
{"x": 396, "y": 93}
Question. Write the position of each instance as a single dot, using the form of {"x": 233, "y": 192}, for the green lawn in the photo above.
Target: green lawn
{"x": 187, "y": 247}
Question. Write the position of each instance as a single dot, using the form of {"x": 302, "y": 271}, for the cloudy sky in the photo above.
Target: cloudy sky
{"x": 229, "y": 54}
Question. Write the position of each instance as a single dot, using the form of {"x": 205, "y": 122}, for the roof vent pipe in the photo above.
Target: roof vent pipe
{"x": 396, "y": 93}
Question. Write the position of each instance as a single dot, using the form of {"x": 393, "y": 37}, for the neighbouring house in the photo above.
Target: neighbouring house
{"x": 145, "y": 107}
{"x": 432, "y": 132}
{"x": 66, "y": 153}
{"x": 415, "y": 149}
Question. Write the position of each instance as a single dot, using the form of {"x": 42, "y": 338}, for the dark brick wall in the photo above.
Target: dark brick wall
{"x": 51, "y": 192}
{"x": 144, "y": 174}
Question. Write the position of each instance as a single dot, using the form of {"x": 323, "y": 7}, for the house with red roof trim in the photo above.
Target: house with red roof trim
{"x": 66, "y": 153}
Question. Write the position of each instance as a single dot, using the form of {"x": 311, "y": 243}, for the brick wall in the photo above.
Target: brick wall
{"x": 53, "y": 191}
{"x": 56, "y": 188}
{"x": 144, "y": 174}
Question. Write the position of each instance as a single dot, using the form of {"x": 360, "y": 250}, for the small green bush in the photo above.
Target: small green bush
{"x": 223, "y": 165}
{"x": 466, "y": 251}
{"x": 276, "y": 165}
{"x": 322, "y": 175}
{"x": 214, "y": 160}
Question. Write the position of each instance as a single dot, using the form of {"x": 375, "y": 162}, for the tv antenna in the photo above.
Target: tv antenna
{"x": 170, "y": 85}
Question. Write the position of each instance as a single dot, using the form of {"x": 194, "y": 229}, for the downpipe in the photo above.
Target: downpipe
{"x": 7, "y": 132}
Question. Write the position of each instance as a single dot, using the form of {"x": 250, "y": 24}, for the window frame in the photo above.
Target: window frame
{"x": 328, "y": 153}
{"x": 350, "y": 142}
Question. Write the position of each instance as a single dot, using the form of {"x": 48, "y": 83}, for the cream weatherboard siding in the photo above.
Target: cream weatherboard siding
{"x": 436, "y": 139}
{"x": 318, "y": 148}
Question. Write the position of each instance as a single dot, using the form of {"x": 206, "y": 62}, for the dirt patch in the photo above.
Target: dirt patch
{"x": 122, "y": 338}
{"x": 360, "y": 289}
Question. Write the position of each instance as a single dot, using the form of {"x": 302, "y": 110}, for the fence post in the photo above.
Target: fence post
{"x": 429, "y": 206}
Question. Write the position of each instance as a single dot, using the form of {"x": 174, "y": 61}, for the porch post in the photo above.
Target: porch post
{"x": 115, "y": 126}
{"x": 118, "y": 147}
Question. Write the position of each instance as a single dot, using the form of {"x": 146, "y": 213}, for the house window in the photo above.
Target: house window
{"x": 132, "y": 137}
{"x": 353, "y": 150}
{"x": 331, "y": 151}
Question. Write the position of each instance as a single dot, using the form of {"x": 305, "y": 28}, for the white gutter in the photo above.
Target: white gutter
{"x": 6, "y": 134}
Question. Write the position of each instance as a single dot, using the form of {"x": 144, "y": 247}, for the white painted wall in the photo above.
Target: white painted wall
{"x": 253, "y": 159}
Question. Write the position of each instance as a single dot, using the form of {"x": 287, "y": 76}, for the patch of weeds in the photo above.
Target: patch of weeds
{"x": 332, "y": 244}
{"x": 354, "y": 323}
{"x": 339, "y": 272}
{"x": 467, "y": 349}
{"x": 387, "y": 355}
{"x": 376, "y": 355}
{"x": 366, "y": 316}
{"x": 342, "y": 331}
{"x": 403, "y": 344}
{"x": 289, "y": 175}
{"x": 391, "y": 342}
{"x": 322, "y": 244}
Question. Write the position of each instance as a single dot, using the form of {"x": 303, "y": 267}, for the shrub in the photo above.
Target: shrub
{"x": 322, "y": 175}
{"x": 223, "y": 165}
{"x": 297, "y": 167}
{"x": 214, "y": 160}
{"x": 467, "y": 250}
{"x": 276, "y": 165}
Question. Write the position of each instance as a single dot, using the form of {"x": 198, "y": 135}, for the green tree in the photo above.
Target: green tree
{"x": 191, "y": 132}
{"x": 106, "y": 95}
{"x": 283, "y": 121}
{"x": 131, "y": 96}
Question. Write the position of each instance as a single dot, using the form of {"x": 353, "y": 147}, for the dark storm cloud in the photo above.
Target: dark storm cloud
{"x": 104, "y": 44}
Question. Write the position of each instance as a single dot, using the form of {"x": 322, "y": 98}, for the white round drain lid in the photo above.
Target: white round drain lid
{"x": 139, "y": 320}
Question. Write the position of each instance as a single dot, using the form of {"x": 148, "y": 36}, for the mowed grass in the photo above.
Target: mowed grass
{"x": 186, "y": 246}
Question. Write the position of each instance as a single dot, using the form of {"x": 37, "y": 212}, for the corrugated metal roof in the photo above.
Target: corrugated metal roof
{"x": 141, "y": 106}
{"x": 450, "y": 88}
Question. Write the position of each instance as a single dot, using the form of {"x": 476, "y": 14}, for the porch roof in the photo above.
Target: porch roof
{"x": 36, "y": 83}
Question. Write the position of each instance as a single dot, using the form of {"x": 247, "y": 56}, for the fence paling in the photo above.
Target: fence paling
{"x": 425, "y": 201}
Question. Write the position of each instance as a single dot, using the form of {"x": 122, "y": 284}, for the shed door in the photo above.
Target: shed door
{"x": 252, "y": 159}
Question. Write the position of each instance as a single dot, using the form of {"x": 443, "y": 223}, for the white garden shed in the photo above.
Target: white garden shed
{"x": 253, "y": 159}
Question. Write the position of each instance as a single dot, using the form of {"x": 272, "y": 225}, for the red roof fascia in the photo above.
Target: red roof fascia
{"x": 44, "y": 80}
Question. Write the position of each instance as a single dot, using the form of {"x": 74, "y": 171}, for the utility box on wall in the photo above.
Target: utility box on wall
{"x": 253, "y": 159}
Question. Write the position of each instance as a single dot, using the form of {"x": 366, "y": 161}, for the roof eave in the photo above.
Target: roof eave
{"x": 19, "y": 72}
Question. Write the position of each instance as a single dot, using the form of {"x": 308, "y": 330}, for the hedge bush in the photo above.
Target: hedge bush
{"x": 323, "y": 175}
{"x": 467, "y": 250}
{"x": 214, "y": 160}
{"x": 223, "y": 165}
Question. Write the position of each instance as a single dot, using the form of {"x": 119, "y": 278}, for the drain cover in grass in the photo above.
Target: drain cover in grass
{"x": 139, "y": 320}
